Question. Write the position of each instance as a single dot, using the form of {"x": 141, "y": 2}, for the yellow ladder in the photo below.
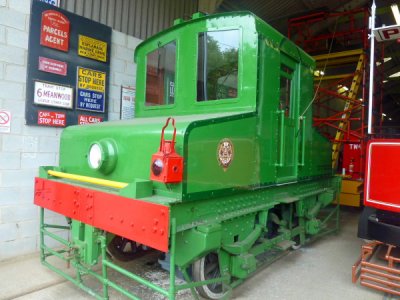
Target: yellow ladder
{"x": 336, "y": 59}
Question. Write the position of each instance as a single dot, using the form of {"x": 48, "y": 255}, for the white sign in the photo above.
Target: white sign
{"x": 5, "y": 121}
{"x": 53, "y": 95}
{"x": 128, "y": 95}
{"x": 52, "y": 2}
{"x": 387, "y": 33}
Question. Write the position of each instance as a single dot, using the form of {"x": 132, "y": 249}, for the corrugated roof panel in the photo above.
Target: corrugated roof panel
{"x": 140, "y": 18}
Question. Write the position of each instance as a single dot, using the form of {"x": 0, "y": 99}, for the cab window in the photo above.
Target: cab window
{"x": 217, "y": 65}
{"x": 286, "y": 75}
{"x": 160, "y": 75}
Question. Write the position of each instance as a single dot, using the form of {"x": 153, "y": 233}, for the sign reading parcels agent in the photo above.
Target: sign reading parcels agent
{"x": 92, "y": 48}
{"x": 54, "y": 32}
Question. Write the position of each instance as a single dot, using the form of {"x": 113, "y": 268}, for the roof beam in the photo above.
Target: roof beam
{"x": 209, "y": 6}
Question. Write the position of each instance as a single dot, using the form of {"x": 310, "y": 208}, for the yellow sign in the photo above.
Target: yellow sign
{"x": 91, "y": 80}
{"x": 92, "y": 48}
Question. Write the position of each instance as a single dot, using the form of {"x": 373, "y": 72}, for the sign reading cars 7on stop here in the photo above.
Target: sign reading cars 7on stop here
{"x": 51, "y": 118}
{"x": 91, "y": 88}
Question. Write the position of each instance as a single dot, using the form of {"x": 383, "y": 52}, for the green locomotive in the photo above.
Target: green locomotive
{"x": 239, "y": 172}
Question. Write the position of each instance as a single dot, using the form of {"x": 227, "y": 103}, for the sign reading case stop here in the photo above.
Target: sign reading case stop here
{"x": 54, "y": 31}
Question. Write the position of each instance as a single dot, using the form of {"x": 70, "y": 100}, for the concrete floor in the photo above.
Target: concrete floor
{"x": 320, "y": 270}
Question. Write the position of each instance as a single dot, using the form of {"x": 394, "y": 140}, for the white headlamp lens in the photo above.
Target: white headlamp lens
{"x": 95, "y": 156}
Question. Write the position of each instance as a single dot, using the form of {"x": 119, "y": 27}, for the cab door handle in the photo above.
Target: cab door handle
{"x": 281, "y": 116}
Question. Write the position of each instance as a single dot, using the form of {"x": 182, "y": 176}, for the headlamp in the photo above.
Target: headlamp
{"x": 96, "y": 156}
{"x": 102, "y": 155}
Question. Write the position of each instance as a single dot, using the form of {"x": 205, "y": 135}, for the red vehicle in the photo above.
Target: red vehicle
{"x": 380, "y": 219}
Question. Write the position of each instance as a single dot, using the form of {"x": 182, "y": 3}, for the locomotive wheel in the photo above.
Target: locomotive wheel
{"x": 296, "y": 239}
{"x": 123, "y": 249}
{"x": 208, "y": 268}
{"x": 298, "y": 244}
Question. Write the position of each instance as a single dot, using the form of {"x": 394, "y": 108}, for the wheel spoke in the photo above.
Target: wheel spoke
{"x": 124, "y": 249}
{"x": 209, "y": 268}
{"x": 123, "y": 245}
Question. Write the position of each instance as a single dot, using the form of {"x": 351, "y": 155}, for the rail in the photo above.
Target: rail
{"x": 87, "y": 179}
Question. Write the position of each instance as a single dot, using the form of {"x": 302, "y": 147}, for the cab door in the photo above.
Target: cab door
{"x": 287, "y": 139}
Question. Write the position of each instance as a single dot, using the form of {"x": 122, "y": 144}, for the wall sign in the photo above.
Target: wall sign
{"x": 53, "y": 95}
{"x": 54, "y": 30}
{"x": 92, "y": 48}
{"x": 128, "y": 95}
{"x": 5, "y": 121}
{"x": 91, "y": 86}
{"x": 51, "y": 118}
{"x": 52, "y": 66}
{"x": 86, "y": 119}
{"x": 52, "y": 2}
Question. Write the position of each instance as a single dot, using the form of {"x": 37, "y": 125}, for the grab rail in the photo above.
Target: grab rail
{"x": 87, "y": 179}
{"x": 303, "y": 140}
{"x": 281, "y": 151}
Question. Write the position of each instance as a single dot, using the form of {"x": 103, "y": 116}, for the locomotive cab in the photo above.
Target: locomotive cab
{"x": 200, "y": 66}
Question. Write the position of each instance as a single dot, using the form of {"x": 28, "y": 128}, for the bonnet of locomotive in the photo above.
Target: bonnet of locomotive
{"x": 117, "y": 151}
{"x": 123, "y": 151}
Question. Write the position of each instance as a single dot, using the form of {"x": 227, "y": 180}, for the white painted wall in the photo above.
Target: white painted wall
{"x": 27, "y": 147}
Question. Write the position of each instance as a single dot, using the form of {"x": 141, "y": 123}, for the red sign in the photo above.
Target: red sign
{"x": 52, "y": 66}
{"x": 382, "y": 189}
{"x": 84, "y": 119}
{"x": 54, "y": 32}
{"x": 51, "y": 118}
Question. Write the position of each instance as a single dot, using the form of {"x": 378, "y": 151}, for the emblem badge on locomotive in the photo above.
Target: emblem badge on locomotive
{"x": 149, "y": 183}
{"x": 225, "y": 153}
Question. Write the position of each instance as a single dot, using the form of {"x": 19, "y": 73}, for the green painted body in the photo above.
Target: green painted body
{"x": 280, "y": 177}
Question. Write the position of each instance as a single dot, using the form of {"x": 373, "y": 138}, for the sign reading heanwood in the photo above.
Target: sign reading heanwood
{"x": 53, "y": 95}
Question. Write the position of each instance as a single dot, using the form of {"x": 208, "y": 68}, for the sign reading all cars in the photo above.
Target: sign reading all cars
{"x": 50, "y": 94}
{"x": 54, "y": 31}
{"x": 92, "y": 48}
{"x": 85, "y": 119}
{"x": 91, "y": 86}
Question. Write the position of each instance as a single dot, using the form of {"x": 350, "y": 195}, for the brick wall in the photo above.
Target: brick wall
{"x": 27, "y": 147}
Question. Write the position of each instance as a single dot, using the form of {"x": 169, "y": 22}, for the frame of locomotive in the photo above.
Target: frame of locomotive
{"x": 257, "y": 177}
